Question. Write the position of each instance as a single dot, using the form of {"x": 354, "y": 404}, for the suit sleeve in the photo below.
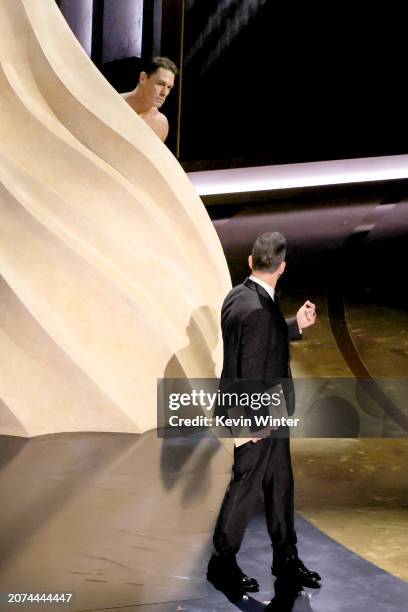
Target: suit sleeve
{"x": 294, "y": 333}
{"x": 256, "y": 339}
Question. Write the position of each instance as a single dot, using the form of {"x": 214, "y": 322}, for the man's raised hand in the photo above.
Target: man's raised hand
{"x": 306, "y": 315}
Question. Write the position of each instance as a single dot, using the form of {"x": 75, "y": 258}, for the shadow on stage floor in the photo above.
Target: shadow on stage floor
{"x": 94, "y": 514}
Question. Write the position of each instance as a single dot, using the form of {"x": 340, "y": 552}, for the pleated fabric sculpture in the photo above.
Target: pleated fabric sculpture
{"x": 111, "y": 273}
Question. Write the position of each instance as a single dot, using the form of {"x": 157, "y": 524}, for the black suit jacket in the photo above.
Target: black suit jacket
{"x": 256, "y": 338}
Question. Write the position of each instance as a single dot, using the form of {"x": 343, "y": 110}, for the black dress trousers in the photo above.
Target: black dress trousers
{"x": 258, "y": 466}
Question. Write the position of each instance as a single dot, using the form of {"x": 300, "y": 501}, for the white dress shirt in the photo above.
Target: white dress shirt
{"x": 270, "y": 290}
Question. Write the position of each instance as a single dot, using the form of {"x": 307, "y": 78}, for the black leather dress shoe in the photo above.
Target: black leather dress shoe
{"x": 285, "y": 598}
{"x": 249, "y": 584}
{"x": 224, "y": 574}
{"x": 292, "y": 569}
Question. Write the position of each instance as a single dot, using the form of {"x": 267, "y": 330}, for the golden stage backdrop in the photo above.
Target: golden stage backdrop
{"x": 111, "y": 273}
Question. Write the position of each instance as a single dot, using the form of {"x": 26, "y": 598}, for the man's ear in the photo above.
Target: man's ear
{"x": 282, "y": 267}
{"x": 142, "y": 76}
{"x": 250, "y": 262}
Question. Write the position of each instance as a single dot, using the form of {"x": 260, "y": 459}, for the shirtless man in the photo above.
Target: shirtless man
{"x": 155, "y": 84}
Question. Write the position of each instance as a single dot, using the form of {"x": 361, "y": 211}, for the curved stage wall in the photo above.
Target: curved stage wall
{"x": 111, "y": 272}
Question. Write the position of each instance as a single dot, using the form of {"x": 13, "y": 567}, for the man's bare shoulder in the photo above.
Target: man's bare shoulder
{"x": 161, "y": 119}
{"x": 158, "y": 122}
{"x": 129, "y": 97}
{"x": 153, "y": 117}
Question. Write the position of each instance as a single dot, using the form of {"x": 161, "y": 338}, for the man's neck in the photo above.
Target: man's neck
{"x": 139, "y": 104}
{"x": 269, "y": 279}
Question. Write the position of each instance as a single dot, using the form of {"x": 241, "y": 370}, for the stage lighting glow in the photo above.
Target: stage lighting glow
{"x": 222, "y": 26}
{"x": 292, "y": 176}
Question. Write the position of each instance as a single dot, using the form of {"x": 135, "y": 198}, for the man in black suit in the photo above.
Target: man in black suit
{"x": 256, "y": 347}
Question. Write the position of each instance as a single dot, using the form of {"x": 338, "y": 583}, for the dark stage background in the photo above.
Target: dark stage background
{"x": 265, "y": 82}
{"x": 290, "y": 82}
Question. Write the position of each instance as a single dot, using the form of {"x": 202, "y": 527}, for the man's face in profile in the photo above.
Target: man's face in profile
{"x": 157, "y": 86}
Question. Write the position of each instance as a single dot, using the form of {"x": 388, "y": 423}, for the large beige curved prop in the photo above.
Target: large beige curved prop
{"x": 111, "y": 272}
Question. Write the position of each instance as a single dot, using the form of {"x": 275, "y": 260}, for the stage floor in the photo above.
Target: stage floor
{"x": 125, "y": 521}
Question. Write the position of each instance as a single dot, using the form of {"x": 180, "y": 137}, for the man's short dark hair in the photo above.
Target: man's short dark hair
{"x": 155, "y": 63}
{"x": 268, "y": 252}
